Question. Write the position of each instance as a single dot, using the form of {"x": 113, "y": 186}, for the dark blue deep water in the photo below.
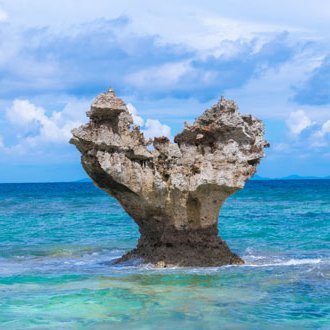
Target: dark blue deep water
{"x": 57, "y": 242}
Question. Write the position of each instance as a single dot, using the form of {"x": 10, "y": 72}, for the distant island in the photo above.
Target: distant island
{"x": 261, "y": 178}
{"x": 291, "y": 177}
{"x": 84, "y": 180}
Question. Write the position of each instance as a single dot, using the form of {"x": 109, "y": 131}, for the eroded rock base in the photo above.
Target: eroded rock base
{"x": 183, "y": 249}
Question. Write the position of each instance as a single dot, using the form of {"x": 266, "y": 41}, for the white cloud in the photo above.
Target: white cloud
{"x": 153, "y": 128}
{"x": 282, "y": 147}
{"x": 319, "y": 138}
{"x": 23, "y": 112}
{"x": 34, "y": 128}
{"x": 150, "y": 127}
{"x": 325, "y": 128}
{"x": 139, "y": 121}
{"x": 314, "y": 138}
{"x": 44, "y": 54}
{"x": 202, "y": 27}
{"x": 160, "y": 76}
{"x": 37, "y": 130}
{"x": 297, "y": 122}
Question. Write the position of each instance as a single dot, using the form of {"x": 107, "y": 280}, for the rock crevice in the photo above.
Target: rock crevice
{"x": 174, "y": 192}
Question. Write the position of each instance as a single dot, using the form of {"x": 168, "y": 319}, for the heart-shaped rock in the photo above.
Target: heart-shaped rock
{"x": 173, "y": 191}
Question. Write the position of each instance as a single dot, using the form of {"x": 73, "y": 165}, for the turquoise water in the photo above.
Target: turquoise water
{"x": 57, "y": 243}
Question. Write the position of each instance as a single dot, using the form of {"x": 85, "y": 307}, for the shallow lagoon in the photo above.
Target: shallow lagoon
{"x": 57, "y": 243}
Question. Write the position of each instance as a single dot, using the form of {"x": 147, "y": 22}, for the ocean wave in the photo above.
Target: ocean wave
{"x": 102, "y": 260}
{"x": 68, "y": 261}
{"x": 290, "y": 262}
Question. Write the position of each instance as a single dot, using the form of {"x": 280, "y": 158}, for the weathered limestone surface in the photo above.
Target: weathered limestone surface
{"x": 173, "y": 191}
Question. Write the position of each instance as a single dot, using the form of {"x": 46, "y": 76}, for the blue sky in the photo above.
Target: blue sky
{"x": 170, "y": 60}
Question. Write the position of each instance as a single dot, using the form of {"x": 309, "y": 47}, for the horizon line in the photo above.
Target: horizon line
{"x": 286, "y": 178}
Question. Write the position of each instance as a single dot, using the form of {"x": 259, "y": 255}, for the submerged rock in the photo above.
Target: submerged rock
{"x": 174, "y": 192}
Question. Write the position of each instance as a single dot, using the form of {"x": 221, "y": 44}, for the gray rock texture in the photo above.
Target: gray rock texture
{"x": 173, "y": 191}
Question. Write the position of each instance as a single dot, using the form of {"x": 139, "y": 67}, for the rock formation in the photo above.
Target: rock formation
{"x": 173, "y": 191}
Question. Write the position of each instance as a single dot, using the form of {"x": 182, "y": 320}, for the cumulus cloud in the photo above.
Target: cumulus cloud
{"x": 304, "y": 150}
{"x": 206, "y": 77}
{"x": 297, "y": 122}
{"x": 150, "y": 127}
{"x": 82, "y": 61}
{"x": 34, "y": 128}
{"x": 325, "y": 128}
{"x": 281, "y": 147}
{"x": 154, "y": 128}
{"x": 144, "y": 58}
{"x": 306, "y": 133}
{"x": 139, "y": 121}
{"x": 316, "y": 89}
{"x": 23, "y": 112}
{"x": 92, "y": 56}
{"x": 161, "y": 76}
{"x": 320, "y": 138}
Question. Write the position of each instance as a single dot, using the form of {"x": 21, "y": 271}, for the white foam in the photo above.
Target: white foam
{"x": 290, "y": 262}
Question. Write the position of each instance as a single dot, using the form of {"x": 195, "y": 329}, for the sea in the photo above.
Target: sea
{"x": 58, "y": 242}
